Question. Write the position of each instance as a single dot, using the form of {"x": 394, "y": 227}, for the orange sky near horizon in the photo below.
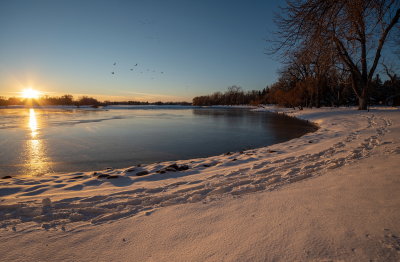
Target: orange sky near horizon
{"x": 134, "y": 96}
{"x": 13, "y": 87}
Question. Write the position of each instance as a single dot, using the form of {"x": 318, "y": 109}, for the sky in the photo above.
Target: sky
{"x": 182, "y": 48}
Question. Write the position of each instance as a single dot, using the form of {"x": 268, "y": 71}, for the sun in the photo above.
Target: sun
{"x": 30, "y": 93}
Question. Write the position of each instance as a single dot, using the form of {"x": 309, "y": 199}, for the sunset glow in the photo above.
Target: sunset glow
{"x": 33, "y": 126}
{"x": 30, "y": 93}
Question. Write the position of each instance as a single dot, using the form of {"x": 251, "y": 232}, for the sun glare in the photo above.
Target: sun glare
{"x": 30, "y": 93}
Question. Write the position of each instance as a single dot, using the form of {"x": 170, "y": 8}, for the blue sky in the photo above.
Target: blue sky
{"x": 182, "y": 48}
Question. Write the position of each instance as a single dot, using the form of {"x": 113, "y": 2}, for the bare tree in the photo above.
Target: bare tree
{"x": 390, "y": 70}
{"x": 358, "y": 30}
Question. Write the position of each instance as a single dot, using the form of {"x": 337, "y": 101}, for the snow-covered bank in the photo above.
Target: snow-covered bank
{"x": 222, "y": 207}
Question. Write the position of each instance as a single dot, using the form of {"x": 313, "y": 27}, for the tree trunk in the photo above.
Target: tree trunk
{"x": 317, "y": 97}
{"x": 363, "y": 99}
{"x": 362, "y": 104}
{"x": 360, "y": 88}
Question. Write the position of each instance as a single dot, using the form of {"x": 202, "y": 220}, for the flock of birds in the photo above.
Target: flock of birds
{"x": 147, "y": 70}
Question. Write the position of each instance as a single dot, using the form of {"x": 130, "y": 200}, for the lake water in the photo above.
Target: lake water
{"x": 36, "y": 141}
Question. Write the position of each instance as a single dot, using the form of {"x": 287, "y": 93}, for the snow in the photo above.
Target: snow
{"x": 328, "y": 195}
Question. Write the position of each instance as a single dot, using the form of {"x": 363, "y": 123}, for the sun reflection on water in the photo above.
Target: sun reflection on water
{"x": 36, "y": 160}
{"x": 33, "y": 123}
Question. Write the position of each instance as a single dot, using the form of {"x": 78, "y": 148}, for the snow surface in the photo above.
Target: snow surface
{"x": 328, "y": 195}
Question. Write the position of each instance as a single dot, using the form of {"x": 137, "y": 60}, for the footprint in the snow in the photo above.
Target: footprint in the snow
{"x": 293, "y": 171}
{"x": 391, "y": 240}
{"x": 260, "y": 165}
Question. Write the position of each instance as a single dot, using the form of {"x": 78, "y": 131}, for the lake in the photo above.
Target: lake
{"x": 36, "y": 141}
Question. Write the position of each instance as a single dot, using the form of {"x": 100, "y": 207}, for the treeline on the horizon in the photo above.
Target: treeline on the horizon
{"x": 290, "y": 91}
{"x": 332, "y": 88}
{"x": 233, "y": 96}
{"x": 158, "y": 103}
{"x": 68, "y": 100}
